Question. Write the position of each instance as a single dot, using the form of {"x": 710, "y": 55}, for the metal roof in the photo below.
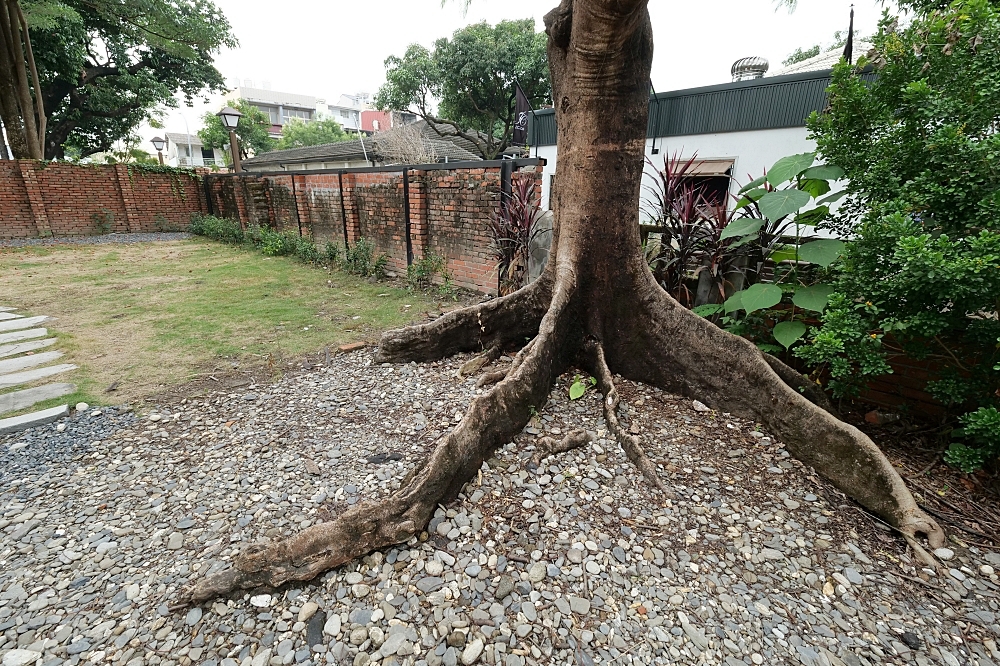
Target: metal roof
{"x": 275, "y": 97}
{"x": 758, "y": 104}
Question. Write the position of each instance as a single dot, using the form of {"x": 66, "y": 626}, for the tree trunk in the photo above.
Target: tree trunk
{"x": 596, "y": 304}
{"x": 15, "y": 59}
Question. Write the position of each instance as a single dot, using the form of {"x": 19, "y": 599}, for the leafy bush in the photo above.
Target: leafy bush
{"x": 278, "y": 243}
{"x": 222, "y": 229}
{"x": 981, "y": 428}
{"x": 361, "y": 260}
{"x": 306, "y": 250}
{"x": 921, "y": 277}
{"x": 332, "y": 253}
{"x": 420, "y": 274}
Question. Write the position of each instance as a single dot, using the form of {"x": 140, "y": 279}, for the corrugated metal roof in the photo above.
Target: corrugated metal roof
{"x": 757, "y": 104}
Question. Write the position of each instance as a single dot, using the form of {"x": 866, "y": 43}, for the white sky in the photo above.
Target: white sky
{"x": 326, "y": 48}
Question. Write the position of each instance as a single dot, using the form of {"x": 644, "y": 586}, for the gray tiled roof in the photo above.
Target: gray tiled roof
{"x": 182, "y": 139}
{"x": 455, "y": 149}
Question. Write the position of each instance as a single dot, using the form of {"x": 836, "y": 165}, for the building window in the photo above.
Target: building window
{"x": 269, "y": 111}
{"x": 345, "y": 114}
{"x": 297, "y": 113}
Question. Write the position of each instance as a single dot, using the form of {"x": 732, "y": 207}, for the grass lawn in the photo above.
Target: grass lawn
{"x": 155, "y": 316}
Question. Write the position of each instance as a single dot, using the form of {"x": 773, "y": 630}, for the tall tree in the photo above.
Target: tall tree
{"x": 298, "y": 133}
{"x": 252, "y": 130}
{"x": 465, "y": 86}
{"x": 21, "y": 104}
{"x": 105, "y": 66}
{"x": 595, "y": 305}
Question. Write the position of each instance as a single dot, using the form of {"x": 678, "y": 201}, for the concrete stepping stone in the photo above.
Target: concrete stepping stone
{"x": 16, "y": 423}
{"x": 16, "y": 400}
{"x": 23, "y": 335}
{"x": 16, "y": 378}
{"x": 23, "y": 322}
{"x": 23, "y": 362}
{"x": 6, "y": 308}
{"x": 9, "y": 315}
{"x": 22, "y": 347}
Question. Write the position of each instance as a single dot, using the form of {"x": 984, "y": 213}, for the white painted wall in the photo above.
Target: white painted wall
{"x": 752, "y": 152}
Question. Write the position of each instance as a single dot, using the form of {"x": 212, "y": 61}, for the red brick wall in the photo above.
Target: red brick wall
{"x": 449, "y": 210}
{"x": 39, "y": 199}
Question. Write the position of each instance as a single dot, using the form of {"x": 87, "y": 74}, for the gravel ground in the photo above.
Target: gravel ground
{"x": 104, "y": 239}
{"x": 755, "y": 561}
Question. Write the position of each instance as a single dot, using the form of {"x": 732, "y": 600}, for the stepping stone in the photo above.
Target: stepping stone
{"x": 11, "y": 402}
{"x": 6, "y": 308}
{"x": 22, "y": 347}
{"x": 16, "y": 423}
{"x": 17, "y": 378}
{"x": 23, "y": 335}
{"x": 23, "y": 362}
{"x": 23, "y": 322}
{"x": 9, "y": 315}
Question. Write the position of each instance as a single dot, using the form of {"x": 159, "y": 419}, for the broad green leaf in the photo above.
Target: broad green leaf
{"x": 824, "y": 172}
{"x": 813, "y": 298}
{"x": 708, "y": 309}
{"x": 577, "y": 390}
{"x": 776, "y": 205}
{"x": 833, "y": 198}
{"x": 822, "y": 252}
{"x": 814, "y": 186}
{"x": 761, "y": 296}
{"x": 741, "y": 227}
{"x": 813, "y": 216}
{"x": 768, "y": 348}
{"x": 787, "y": 332}
{"x": 789, "y": 167}
{"x": 734, "y": 302}
{"x": 784, "y": 253}
{"x": 756, "y": 182}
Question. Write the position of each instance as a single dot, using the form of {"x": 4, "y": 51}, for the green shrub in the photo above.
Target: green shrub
{"x": 222, "y": 229}
{"x": 361, "y": 260}
{"x": 306, "y": 250}
{"x": 332, "y": 253}
{"x": 981, "y": 430}
{"x": 420, "y": 274}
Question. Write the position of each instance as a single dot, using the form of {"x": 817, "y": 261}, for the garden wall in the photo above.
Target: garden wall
{"x": 444, "y": 209}
{"x": 41, "y": 199}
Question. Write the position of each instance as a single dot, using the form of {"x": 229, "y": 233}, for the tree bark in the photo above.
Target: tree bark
{"x": 15, "y": 58}
{"x": 597, "y": 304}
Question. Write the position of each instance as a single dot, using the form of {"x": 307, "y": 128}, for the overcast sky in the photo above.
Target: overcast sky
{"x": 324, "y": 49}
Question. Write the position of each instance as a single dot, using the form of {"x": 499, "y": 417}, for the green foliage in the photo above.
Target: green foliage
{"x": 104, "y": 221}
{"x": 421, "y": 273}
{"x": 223, "y": 229}
{"x": 361, "y": 260}
{"x": 981, "y": 432}
{"x": 800, "y": 54}
{"x": 298, "y": 133}
{"x": 107, "y": 66}
{"x": 332, "y": 253}
{"x": 252, "y": 131}
{"x": 580, "y": 386}
{"x": 471, "y": 78}
{"x": 919, "y": 145}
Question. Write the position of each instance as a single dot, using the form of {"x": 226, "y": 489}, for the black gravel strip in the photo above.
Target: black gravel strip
{"x": 106, "y": 239}
{"x": 33, "y": 452}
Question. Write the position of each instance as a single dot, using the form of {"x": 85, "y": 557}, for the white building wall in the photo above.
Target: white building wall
{"x": 751, "y": 152}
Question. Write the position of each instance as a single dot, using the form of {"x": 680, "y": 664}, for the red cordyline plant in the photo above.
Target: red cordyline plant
{"x": 514, "y": 225}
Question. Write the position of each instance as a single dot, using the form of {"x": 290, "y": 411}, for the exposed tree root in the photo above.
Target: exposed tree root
{"x": 475, "y": 364}
{"x": 490, "y": 378}
{"x": 494, "y": 323}
{"x": 630, "y": 443}
{"x": 491, "y": 421}
{"x": 729, "y": 373}
{"x": 596, "y": 287}
{"x": 801, "y": 383}
{"x": 548, "y": 446}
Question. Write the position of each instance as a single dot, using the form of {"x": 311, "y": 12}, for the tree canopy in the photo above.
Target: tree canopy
{"x": 252, "y": 130}
{"x": 105, "y": 66}
{"x": 466, "y": 83}
{"x": 297, "y": 133}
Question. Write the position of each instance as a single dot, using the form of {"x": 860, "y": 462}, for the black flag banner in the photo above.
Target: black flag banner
{"x": 521, "y": 110}
{"x": 849, "y": 46}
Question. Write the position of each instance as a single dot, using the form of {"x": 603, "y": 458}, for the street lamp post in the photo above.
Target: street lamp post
{"x": 158, "y": 143}
{"x": 230, "y": 119}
